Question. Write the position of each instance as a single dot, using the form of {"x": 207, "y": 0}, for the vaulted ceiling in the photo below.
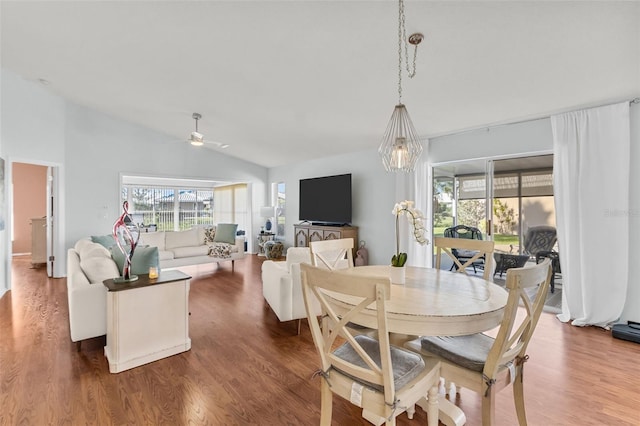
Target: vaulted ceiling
{"x": 284, "y": 81}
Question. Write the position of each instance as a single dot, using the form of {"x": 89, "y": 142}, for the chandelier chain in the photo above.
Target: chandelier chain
{"x": 402, "y": 39}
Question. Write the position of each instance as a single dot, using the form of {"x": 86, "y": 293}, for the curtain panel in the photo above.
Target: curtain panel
{"x": 415, "y": 187}
{"x": 591, "y": 179}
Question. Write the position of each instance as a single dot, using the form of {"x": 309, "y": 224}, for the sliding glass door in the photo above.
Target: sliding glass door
{"x": 500, "y": 197}
{"x": 522, "y": 198}
{"x": 461, "y": 196}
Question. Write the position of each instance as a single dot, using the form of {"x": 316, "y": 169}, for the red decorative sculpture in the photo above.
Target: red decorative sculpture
{"x": 126, "y": 241}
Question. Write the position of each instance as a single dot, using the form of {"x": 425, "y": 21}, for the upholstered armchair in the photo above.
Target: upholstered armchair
{"x": 281, "y": 285}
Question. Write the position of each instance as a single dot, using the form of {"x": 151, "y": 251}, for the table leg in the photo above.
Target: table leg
{"x": 449, "y": 414}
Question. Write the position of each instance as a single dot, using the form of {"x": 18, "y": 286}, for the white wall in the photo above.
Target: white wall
{"x": 92, "y": 149}
{"x": 372, "y": 199}
{"x": 535, "y": 136}
{"x": 528, "y": 137}
{"x": 33, "y": 126}
{"x": 99, "y": 148}
{"x": 632, "y": 307}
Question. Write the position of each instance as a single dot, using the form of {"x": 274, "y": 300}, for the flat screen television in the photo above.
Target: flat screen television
{"x": 326, "y": 200}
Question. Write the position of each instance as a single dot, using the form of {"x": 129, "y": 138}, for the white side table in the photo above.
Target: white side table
{"x": 147, "y": 319}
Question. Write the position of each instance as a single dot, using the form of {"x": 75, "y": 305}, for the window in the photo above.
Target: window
{"x": 230, "y": 204}
{"x": 280, "y": 209}
{"x": 170, "y": 209}
{"x": 179, "y": 204}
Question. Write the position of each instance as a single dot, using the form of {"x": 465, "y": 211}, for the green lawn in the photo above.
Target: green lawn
{"x": 502, "y": 239}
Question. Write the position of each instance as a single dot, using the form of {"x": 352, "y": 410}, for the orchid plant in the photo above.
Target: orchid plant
{"x": 416, "y": 218}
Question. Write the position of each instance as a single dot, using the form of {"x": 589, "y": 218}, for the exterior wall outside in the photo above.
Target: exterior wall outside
{"x": 538, "y": 211}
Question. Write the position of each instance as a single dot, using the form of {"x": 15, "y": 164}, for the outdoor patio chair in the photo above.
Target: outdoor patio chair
{"x": 466, "y": 232}
{"x": 538, "y": 243}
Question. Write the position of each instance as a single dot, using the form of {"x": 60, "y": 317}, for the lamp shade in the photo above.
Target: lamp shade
{"x": 267, "y": 212}
{"x": 400, "y": 147}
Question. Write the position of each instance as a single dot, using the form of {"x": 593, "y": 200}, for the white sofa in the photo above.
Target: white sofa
{"x": 89, "y": 264}
{"x": 282, "y": 288}
{"x": 184, "y": 248}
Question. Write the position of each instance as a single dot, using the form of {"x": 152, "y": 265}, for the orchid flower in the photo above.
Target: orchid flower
{"x": 416, "y": 219}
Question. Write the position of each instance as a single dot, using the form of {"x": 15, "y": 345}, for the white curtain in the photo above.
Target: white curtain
{"x": 415, "y": 187}
{"x": 591, "y": 184}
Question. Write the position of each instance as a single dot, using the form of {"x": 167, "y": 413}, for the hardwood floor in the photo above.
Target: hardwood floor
{"x": 246, "y": 368}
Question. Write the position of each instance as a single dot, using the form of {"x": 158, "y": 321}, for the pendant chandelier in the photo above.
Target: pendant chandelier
{"x": 400, "y": 147}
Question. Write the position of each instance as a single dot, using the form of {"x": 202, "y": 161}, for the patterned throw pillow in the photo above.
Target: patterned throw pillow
{"x": 209, "y": 235}
{"x": 220, "y": 250}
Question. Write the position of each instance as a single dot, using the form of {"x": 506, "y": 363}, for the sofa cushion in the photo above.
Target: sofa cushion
{"x": 82, "y": 243}
{"x": 165, "y": 255}
{"x": 298, "y": 255}
{"x": 154, "y": 239}
{"x": 143, "y": 258}
{"x": 187, "y": 238}
{"x": 105, "y": 240}
{"x": 78, "y": 279}
{"x": 220, "y": 250}
{"x": 98, "y": 269}
{"x": 226, "y": 233}
{"x": 180, "y": 252}
{"x": 94, "y": 250}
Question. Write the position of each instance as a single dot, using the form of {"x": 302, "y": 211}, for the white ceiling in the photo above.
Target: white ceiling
{"x": 285, "y": 81}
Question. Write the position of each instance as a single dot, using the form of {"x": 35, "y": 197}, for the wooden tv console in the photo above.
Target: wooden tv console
{"x": 305, "y": 233}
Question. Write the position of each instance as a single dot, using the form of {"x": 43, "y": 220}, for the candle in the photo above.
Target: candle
{"x": 153, "y": 272}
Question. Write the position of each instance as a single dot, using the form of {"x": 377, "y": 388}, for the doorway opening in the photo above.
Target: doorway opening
{"x": 34, "y": 216}
{"x": 503, "y": 198}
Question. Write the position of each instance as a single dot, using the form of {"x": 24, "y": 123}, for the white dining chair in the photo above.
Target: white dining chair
{"x": 382, "y": 379}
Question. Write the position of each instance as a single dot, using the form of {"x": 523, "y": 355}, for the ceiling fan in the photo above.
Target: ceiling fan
{"x": 197, "y": 139}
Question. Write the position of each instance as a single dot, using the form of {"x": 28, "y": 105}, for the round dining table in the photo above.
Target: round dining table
{"x": 431, "y": 302}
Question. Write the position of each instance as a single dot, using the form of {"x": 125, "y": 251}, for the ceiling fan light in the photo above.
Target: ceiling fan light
{"x": 196, "y": 139}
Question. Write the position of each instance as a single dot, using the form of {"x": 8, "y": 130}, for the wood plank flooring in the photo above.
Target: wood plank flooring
{"x": 246, "y": 368}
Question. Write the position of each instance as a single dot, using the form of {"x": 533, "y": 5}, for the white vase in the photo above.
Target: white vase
{"x": 397, "y": 274}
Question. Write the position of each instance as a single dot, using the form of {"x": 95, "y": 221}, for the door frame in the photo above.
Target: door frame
{"x": 55, "y": 239}
{"x": 488, "y": 171}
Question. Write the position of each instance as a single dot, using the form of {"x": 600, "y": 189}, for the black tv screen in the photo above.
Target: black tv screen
{"x": 326, "y": 200}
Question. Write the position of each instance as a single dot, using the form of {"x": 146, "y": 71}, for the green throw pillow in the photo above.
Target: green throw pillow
{"x": 226, "y": 233}
{"x": 104, "y": 240}
{"x": 143, "y": 258}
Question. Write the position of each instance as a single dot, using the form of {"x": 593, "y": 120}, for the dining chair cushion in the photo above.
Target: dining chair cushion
{"x": 469, "y": 352}
{"x": 406, "y": 365}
